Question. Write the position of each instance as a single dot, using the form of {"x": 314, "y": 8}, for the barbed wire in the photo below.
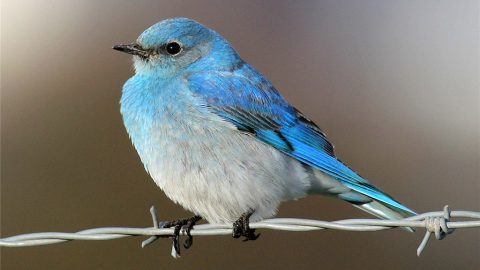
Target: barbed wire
{"x": 437, "y": 223}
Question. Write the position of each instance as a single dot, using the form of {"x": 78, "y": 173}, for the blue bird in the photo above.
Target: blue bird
{"x": 219, "y": 139}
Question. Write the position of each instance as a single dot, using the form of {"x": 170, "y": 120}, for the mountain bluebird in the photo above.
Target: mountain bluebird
{"x": 219, "y": 139}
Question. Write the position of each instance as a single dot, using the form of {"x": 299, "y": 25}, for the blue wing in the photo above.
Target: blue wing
{"x": 246, "y": 99}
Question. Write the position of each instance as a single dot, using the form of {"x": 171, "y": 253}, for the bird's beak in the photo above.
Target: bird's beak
{"x": 134, "y": 49}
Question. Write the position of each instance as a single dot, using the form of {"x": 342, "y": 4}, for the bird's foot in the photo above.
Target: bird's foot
{"x": 187, "y": 224}
{"x": 241, "y": 227}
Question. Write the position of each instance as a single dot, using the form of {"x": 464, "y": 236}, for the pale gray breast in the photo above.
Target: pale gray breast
{"x": 219, "y": 172}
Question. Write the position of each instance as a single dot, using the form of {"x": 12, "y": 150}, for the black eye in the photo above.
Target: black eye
{"x": 173, "y": 48}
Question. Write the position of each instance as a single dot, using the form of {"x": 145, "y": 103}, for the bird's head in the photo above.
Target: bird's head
{"x": 175, "y": 45}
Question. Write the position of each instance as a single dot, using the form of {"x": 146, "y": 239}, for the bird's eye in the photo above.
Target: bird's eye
{"x": 173, "y": 48}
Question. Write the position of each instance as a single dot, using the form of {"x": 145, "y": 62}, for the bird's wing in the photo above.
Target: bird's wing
{"x": 244, "y": 98}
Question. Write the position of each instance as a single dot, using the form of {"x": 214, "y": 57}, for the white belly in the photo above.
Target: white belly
{"x": 220, "y": 173}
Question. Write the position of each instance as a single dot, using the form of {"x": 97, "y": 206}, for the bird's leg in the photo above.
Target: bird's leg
{"x": 191, "y": 222}
{"x": 178, "y": 224}
{"x": 241, "y": 227}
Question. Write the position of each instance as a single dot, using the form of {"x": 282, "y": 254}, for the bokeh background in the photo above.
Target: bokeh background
{"x": 395, "y": 85}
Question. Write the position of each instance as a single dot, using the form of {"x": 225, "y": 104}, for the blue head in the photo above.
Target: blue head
{"x": 173, "y": 46}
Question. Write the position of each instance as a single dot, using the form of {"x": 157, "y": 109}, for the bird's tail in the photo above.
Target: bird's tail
{"x": 376, "y": 207}
{"x": 365, "y": 197}
{"x": 384, "y": 211}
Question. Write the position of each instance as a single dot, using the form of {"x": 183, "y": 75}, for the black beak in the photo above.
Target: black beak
{"x": 134, "y": 49}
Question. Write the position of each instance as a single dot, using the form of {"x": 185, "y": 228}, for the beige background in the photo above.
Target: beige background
{"x": 395, "y": 84}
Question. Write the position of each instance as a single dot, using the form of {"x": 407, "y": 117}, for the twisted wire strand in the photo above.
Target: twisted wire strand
{"x": 436, "y": 223}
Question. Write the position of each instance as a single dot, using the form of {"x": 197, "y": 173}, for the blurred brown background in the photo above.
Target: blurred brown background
{"x": 395, "y": 84}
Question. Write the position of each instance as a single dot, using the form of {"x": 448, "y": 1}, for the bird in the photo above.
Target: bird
{"x": 220, "y": 140}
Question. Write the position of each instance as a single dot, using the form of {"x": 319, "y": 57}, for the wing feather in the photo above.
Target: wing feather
{"x": 244, "y": 98}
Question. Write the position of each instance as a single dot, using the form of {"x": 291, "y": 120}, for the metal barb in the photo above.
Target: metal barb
{"x": 156, "y": 225}
{"x": 436, "y": 225}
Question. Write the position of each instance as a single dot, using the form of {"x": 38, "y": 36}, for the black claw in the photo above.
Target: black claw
{"x": 189, "y": 241}
{"x": 187, "y": 224}
{"x": 241, "y": 227}
{"x": 251, "y": 235}
{"x": 176, "y": 238}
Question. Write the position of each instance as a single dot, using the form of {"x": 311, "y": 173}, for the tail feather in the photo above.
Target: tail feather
{"x": 379, "y": 210}
{"x": 362, "y": 195}
{"x": 376, "y": 208}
